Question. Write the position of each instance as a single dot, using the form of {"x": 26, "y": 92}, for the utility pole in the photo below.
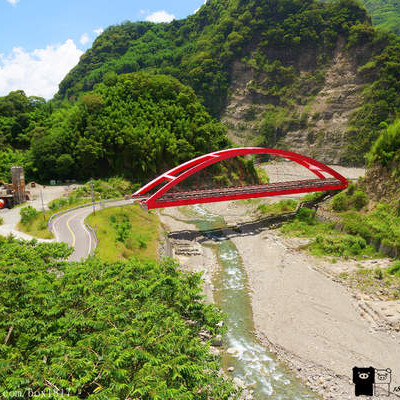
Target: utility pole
{"x": 41, "y": 195}
{"x": 94, "y": 206}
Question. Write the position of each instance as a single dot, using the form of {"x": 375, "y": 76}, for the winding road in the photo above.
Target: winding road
{"x": 70, "y": 228}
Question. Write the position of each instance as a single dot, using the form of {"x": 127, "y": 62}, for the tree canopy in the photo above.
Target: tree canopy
{"x": 136, "y": 125}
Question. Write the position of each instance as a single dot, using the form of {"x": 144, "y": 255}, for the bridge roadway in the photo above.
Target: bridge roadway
{"x": 70, "y": 227}
{"x": 253, "y": 189}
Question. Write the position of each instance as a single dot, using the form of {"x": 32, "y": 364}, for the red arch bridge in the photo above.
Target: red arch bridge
{"x": 164, "y": 197}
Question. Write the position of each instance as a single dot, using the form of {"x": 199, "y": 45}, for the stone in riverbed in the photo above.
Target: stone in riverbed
{"x": 217, "y": 341}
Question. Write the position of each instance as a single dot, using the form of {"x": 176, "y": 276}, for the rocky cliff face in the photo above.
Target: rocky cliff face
{"x": 316, "y": 118}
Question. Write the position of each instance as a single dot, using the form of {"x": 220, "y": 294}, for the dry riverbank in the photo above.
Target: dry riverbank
{"x": 316, "y": 325}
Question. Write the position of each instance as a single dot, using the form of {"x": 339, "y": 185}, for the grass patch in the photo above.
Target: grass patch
{"x": 381, "y": 225}
{"x": 35, "y": 224}
{"x": 126, "y": 232}
{"x": 327, "y": 240}
{"x": 278, "y": 208}
{"x": 382, "y": 281}
{"x": 263, "y": 177}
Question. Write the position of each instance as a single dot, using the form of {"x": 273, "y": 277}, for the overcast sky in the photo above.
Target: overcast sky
{"x": 41, "y": 40}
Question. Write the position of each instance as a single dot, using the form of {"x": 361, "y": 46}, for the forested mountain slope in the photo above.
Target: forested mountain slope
{"x": 135, "y": 125}
{"x": 298, "y": 74}
{"x": 385, "y": 13}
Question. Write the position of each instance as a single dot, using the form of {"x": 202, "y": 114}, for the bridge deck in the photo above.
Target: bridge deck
{"x": 306, "y": 185}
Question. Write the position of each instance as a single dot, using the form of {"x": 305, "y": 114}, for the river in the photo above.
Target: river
{"x": 251, "y": 362}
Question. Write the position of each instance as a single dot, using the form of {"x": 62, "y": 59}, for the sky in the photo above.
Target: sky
{"x": 42, "y": 40}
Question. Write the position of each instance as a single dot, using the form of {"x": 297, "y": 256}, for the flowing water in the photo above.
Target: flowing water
{"x": 252, "y": 363}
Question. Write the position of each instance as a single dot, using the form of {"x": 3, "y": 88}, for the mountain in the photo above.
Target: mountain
{"x": 304, "y": 75}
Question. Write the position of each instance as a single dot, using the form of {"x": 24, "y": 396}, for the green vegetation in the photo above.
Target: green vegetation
{"x": 277, "y": 208}
{"x": 351, "y": 199}
{"x": 19, "y": 116}
{"x": 362, "y": 233}
{"x": 272, "y": 38}
{"x": 34, "y": 223}
{"x": 325, "y": 239}
{"x": 136, "y": 126}
{"x": 381, "y": 102}
{"x": 103, "y": 330}
{"x": 125, "y": 110}
{"x": 262, "y": 176}
{"x": 394, "y": 269}
{"x": 386, "y": 150}
{"x": 381, "y": 226}
{"x": 20, "y": 120}
{"x": 385, "y": 13}
{"x": 10, "y": 157}
{"x": 373, "y": 281}
{"x": 124, "y": 232}
{"x": 200, "y": 49}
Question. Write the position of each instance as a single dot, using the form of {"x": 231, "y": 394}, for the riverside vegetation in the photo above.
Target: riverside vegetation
{"x": 360, "y": 227}
{"x": 144, "y": 343}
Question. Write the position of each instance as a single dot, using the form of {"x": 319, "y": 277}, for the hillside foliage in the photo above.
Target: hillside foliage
{"x": 136, "y": 125}
{"x": 279, "y": 39}
{"x": 385, "y": 13}
{"x": 200, "y": 49}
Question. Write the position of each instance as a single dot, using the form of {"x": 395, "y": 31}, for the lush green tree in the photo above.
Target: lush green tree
{"x": 103, "y": 330}
{"x": 135, "y": 125}
{"x": 18, "y": 116}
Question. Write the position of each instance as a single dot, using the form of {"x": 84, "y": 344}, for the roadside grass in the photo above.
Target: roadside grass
{"x": 1, "y": 221}
{"x": 36, "y": 224}
{"x": 125, "y": 232}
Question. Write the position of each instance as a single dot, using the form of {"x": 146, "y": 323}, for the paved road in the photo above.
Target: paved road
{"x": 70, "y": 228}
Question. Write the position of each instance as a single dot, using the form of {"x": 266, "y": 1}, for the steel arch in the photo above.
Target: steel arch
{"x": 185, "y": 170}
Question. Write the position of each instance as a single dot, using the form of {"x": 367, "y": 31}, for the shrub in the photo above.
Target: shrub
{"x": 351, "y": 199}
{"x": 378, "y": 273}
{"x": 340, "y": 203}
{"x": 394, "y": 269}
{"x": 339, "y": 246}
{"x": 359, "y": 200}
{"x": 58, "y": 203}
{"x": 28, "y": 214}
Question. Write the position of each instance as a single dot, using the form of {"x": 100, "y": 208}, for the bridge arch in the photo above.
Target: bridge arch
{"x": 183, "y": 171}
